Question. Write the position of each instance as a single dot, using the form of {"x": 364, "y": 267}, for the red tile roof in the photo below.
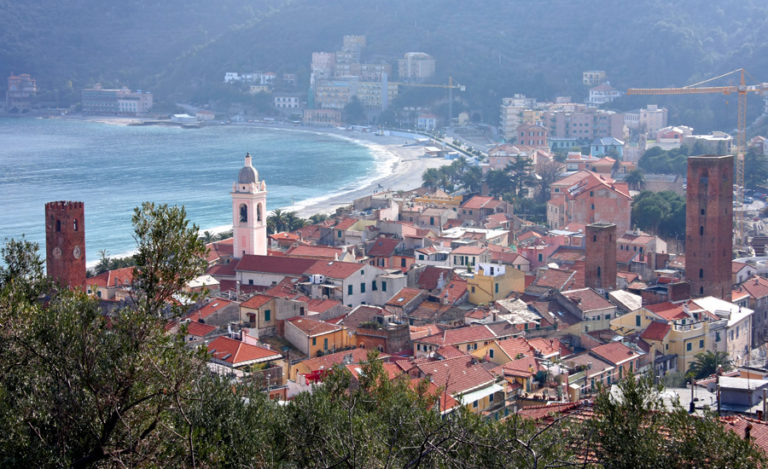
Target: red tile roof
{"x": 667, "y": 310}
{"x": 454, "y": 291}
{"x": 199, "y": 329}
{"x": 549, "y": 347}
{"x": 656, "y": 331}
{"x": 315, "y": 252}
{"x": 404, "y": 296}
{"x": 237, "y": 353}
{"x": 274, "y": 265}
{"x": 457, "y": 375}
{"x": 256, "y": 302}
{"x": 429, "y": 277}
{"x": 587, "y": 299}
{"x": 460, "y": 335}
{"x": 219, "y": 249}
{"x": 539, "y": 412}
{"x": 470, "y": 250}
{"x": 383, "y": 247}
{"x": 345, "y": 224}
{"x": 555, "y": 278}
{"x": 222, "y": 270}
{"x": 216, "y": 304}
{"x": 757, "y": 287}
{"x": 328, "y": 361}
{"x": 335, "y": 269}
{"x": 614, "y": 352}
{"x": 515, "y": 347}
{"x": 321, "y": 306}
{"x": 113, "y": 278}
{"x": 313, "y": 328}
{"x": 758, "y": 432}
{"x": 478, "y": 202}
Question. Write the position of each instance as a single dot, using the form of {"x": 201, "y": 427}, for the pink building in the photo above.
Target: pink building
{"x": 587, "y": 197}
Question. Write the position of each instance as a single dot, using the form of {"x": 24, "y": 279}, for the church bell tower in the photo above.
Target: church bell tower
{"x": 249, "y": 212}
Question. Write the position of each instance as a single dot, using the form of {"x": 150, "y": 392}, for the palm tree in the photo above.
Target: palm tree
{"x": 207, "y": 237}
{"x": 707, "y": 363}
{"x": 635, "y": 179}
{"x": 278, "y": 221}
{"x": 294, "y": 222}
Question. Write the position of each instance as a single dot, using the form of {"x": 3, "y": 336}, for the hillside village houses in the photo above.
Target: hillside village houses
{"x": 457, "y": 289}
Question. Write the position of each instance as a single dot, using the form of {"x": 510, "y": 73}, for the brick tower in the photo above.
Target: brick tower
{"x": 65, "y": 243}
{"x": 709, "y": 225}
{"x": 600, "y": 264}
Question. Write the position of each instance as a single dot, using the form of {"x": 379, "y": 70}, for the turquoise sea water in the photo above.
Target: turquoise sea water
{"x": 114, "y": 168}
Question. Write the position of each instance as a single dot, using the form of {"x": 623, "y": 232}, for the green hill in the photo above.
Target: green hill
{"x": 495, "y": 47}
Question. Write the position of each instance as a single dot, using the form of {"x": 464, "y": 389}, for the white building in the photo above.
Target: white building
{"x": 512, "y": 114}
{"x": 602, "y": 94}
{"x": 648, "y": 120}
{"x": 416, "y": 66}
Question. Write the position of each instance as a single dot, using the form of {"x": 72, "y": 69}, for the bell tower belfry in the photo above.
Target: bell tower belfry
{"x": 249, "y": 212}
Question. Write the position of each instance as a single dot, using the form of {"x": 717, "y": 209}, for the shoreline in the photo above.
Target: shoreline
{"x": 396, "y": 167}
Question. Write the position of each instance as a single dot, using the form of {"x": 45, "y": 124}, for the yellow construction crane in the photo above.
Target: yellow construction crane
{"x": 741, "y": 90}
{"x": 451, "y": 86}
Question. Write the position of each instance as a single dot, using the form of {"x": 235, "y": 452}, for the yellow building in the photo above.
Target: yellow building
{"x": 670, "y": 329}
{"x": 259, "y": 312}
{"x": 312, "y": 337}
{"x": 494, "y": 282}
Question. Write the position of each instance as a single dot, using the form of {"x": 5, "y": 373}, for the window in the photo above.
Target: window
{"x": 74, "y": 224}
{"x": 688, "y": 346}
{"x": 250, "y": 281}
{"x": 541, "y": 257}
{"x": 637, "y": 320}
{"x": 338, "y": 233}
{"x": 267, "y": 315}
{"x": 58, "y": 225}
{"x": 362, "y": 272}
{"x": 592, "y": 194}
{"x": 598, "y": 271}
{"x": 717, "y": 336}
{"x": 473, "y": 288}
{"x": 243, "y": 213}
{"x": 421, "y": 257}
{"x": 402, "y": 262}
{"x": 490, "y": 353}
{"x": 496, "y": 287}
{"x": 701, "y": 273}
{"x": 362, "y": 288}
{"x": 475, "y": 347}
{"x": 701, "y": 343}
{"x": 350, "y": 290}
{"x": 314, "y": 340}
{"x": 594, "y": 238}
{"x": 383, "y": 286}
{"x": 374, "y": 287}
{"x": 490, "y": 398}
{"x": 325, "y": 344}
{"x": 474, "y": 404}
{"x": 701, "y": 231}
{"x": 258, "y": 212}
{"x": 607, "y": 316}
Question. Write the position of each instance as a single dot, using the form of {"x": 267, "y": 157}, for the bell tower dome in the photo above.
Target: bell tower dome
{"x": 249, "y": 212}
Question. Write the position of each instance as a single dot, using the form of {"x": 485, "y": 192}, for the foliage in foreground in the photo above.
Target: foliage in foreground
{"x": 80, "y": 389}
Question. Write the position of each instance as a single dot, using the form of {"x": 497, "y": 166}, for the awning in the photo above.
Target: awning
{"x": 480, "y": 393}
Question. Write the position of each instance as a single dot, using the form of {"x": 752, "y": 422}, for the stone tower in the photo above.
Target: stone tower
{"x": 600, "y": 269}
{"x": 249, "y": 212}
{"x": 65, "y": 243}
{"x": 709, "y": 225}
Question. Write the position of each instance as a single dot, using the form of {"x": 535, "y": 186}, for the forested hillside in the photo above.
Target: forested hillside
{"x": 496, "y": 47}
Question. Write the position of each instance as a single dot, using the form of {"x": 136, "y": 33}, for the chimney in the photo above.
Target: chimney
{"x": 748, "y": 432}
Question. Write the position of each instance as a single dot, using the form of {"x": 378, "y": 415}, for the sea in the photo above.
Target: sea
{"x": 114, "y": 168}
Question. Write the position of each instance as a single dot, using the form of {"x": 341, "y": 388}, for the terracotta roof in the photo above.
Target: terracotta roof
{"x": 555, "y": 278}
{"x": 256, "y": 302}
{"x": 419, "y": 332}
{"x": 275, "y": 265}
{"x": 335, "y": 269}
{"x": 311, "y": 327}
{"x": 516, "y": 346}
{"x": 656, "y": 331}
{"x": 568, "y": 253}
{"x": 222, "y": 270}
{"x": 614, "y": 352}
{"x": 667, "y": 310}
{"x": 449, "y": 351}
{"x": 218, "y": 249}
{"x": 524, "y": 367}
{"x": 587, "y": 299}
{"x": 457, "y": 375}
{"x": 539, "y": 412}
{"x": 328, "y": 361}
{"x": 447, "y": 402}
{"x": 454, "y": 291}
{"x": 383, "y": 247}
{"x": 758, "y": 431}
{"x": 549, "y": 347}
{"x": 460, "y": 335}
{"x": 199, "y": 329}
{"x": 478, "y": 202}
{"x": 757, "y": 287}
{"x": 404, "y": 296}
{"x": 237, "y": 353}
{"x": 315, "y": 252}
{"x": 209, "y": 308}
{"x": 345, "y": 224}
{"x": 430, "y": 276}
{"x": 470, "y": 250}
{"x": 122, "y": 277}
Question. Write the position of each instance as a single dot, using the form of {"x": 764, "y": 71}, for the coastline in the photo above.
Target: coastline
{"x": 396, "y": 167}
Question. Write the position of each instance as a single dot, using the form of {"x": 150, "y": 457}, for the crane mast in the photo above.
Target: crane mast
{"x": 741, "y": 134}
